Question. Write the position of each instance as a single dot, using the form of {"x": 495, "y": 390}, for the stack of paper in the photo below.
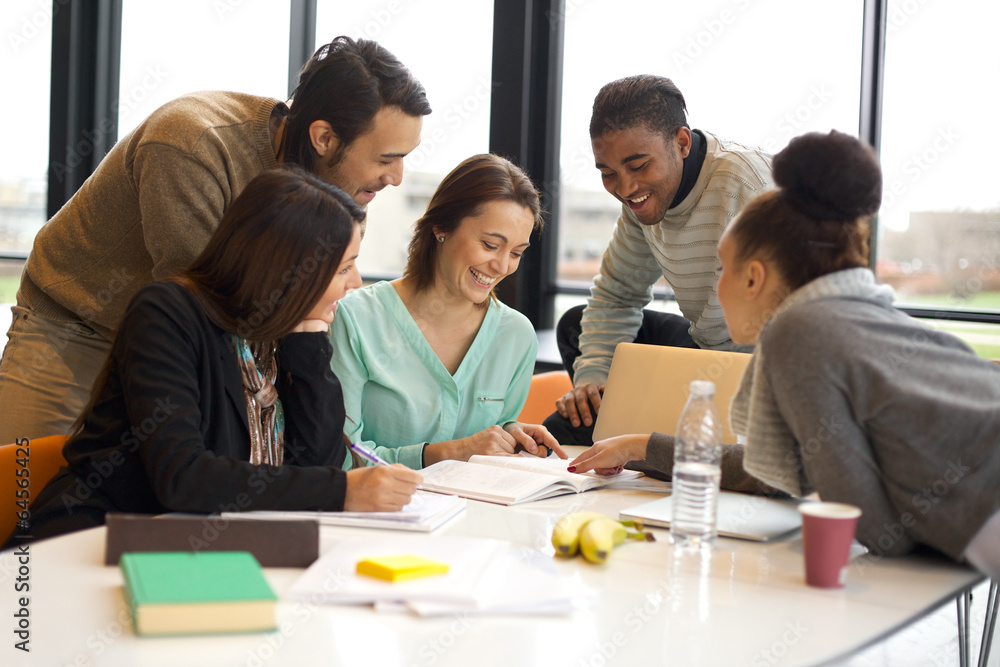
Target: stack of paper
{"x": 484, "y": 577}
{"x": 424, "y": 513}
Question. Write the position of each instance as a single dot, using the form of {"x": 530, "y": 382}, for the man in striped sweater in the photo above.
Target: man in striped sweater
{"x": 679, "y": 189}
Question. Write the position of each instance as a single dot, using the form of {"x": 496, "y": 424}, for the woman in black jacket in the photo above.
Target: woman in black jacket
{"x": 218, "y": 393}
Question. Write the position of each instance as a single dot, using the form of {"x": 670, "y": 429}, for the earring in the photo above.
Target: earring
{"x": 440, "y": 239}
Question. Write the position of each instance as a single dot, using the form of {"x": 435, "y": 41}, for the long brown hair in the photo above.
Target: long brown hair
{"x": 818, "y": 220}
{"x": 478, "y": 180}
{"x": 268, "y": 263}
{"x": 275, "y": 252}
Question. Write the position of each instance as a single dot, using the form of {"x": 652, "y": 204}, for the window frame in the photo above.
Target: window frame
{"x": 528, "y": 38}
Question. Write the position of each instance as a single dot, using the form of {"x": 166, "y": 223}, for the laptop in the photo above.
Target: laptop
{"x": 739, "y": 515}
{"x": 647, "y": 387}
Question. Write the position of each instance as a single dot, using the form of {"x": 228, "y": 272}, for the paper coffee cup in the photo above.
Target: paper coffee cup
{"x": 827, "y": 533}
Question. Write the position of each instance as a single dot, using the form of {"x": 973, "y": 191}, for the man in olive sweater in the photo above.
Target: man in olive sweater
{"x": 156, "y": 198}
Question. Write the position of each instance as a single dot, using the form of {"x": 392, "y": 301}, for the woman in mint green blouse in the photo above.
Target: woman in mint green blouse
{"x": 432, "y": 365}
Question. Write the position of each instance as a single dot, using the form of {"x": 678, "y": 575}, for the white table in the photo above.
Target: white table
{"x": 748, "y": 606}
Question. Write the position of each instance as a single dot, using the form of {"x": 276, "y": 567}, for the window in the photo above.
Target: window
{"x": 26, "y": 62}
{"x": 170, "y": 49}
{"x": 756, "y": 74}
{"x": 454, "y": 65}
{"x": 939, "y": 225}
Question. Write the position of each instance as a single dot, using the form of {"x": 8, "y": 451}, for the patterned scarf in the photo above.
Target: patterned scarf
{"x": 264, "y": 412}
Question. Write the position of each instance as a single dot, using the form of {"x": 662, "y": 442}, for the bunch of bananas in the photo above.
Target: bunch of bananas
{"x": 593, "y": 534}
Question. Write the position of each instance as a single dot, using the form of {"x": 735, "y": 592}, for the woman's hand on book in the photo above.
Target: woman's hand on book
{"x": 380, "y": 488}
{"x": 608, "y": 457}
{"x": 492, "y": 441}
{"x": 534, "y": 438}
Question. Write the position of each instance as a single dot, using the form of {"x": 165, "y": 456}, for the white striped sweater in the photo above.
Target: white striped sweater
{"x": 682, "y": 248}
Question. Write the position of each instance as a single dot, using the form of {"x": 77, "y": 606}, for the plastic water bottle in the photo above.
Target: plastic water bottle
{"x": 696, "y": 474}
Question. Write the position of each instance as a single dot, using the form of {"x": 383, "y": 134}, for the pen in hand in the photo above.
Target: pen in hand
{"x": 368, "y": 455}
{"x": 372, "y": 457}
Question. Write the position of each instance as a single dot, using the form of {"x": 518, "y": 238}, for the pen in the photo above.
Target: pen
{"x": 368, "y": 455}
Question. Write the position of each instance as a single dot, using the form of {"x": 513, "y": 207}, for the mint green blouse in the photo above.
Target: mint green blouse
{"x": 397, "y": 393}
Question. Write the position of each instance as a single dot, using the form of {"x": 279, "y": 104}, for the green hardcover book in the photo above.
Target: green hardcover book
{"x": 175, "y": 593}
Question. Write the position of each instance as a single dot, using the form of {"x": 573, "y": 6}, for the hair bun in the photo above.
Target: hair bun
{"x": 829, "y": 176}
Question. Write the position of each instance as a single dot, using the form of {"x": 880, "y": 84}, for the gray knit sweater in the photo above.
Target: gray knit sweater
{"x": 850, "y": 397}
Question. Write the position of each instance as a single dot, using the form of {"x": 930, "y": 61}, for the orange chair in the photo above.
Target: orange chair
{"x": 545, "y": 389}
{"x": 43, "y": 460}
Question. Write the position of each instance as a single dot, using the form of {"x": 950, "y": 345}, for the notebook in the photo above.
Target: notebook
{"x": 740, "y": 515}
{"x": 647, "y": 387}
{"x": 509, "y": 480}
{"x": 173, "y": 593}
{"x": 424, "y": 513}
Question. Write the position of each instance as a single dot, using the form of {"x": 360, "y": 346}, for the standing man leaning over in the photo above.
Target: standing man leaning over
{"x": 679, "y": 189}
{"x": 153, "y": 202}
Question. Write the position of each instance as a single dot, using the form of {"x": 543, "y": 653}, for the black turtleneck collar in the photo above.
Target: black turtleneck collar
{"x": 692, "y": 167}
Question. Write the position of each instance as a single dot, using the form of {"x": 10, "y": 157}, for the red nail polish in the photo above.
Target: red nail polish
{"x": 571, "y": 468}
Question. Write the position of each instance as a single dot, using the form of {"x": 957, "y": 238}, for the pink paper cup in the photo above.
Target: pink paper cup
{"x": 827, "y": 533}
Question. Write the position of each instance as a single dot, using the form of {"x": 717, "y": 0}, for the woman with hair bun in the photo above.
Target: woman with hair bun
{"x": 846, "y": 395}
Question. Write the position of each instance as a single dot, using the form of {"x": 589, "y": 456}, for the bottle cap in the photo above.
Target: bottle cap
{"x": 702, "y": 388}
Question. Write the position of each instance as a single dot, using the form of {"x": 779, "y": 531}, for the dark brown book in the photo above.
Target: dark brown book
{"x": 293, "y": 543}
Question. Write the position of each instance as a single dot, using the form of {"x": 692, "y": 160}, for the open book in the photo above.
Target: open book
{"x": 509, "y": 480}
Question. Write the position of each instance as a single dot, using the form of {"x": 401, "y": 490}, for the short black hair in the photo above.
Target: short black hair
{"x": 646, "y": 100}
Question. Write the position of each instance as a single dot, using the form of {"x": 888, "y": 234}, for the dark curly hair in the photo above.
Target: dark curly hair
{"x": 818, "y": 219}
{"x": 643, "y": 100}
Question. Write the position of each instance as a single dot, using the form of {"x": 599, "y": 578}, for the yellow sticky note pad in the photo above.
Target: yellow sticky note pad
{"x": 400, "y": 568}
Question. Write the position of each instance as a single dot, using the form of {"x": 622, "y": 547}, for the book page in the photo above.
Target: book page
{"x": 555, "y": 467}
{"x": 503, "y": 484}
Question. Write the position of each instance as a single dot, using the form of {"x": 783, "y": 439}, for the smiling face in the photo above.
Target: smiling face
{"x": 345, "y": 279}
{"x": 483, "y": 250}
{"x": 642, "y": 168}
{"x": 375, "y": 159}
